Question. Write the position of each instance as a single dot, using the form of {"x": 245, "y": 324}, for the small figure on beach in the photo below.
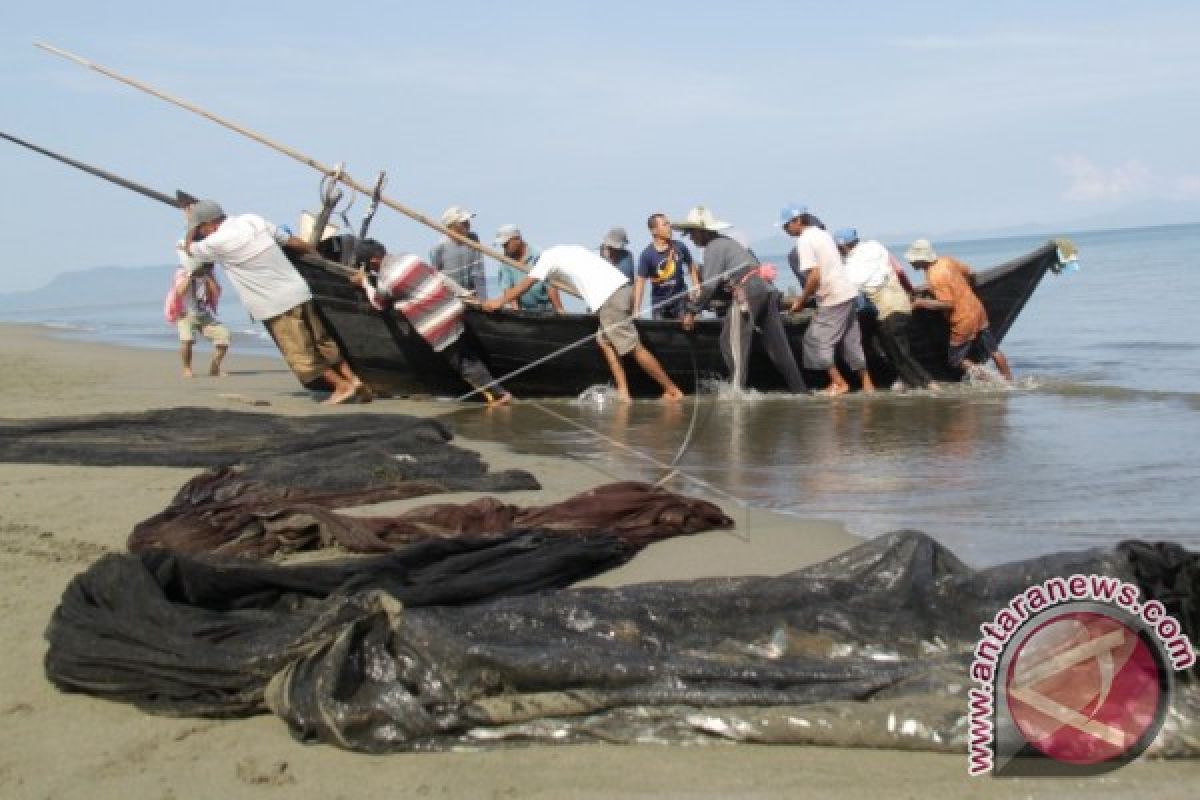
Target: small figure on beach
{"x": 540, "y": 297}
{"x": 417, "y": 292}
{"x": 191, "y": 304}
{"x": 462, "y": 263}
{"x": 834, "y": 326}
{"x": 249, "y": 247}
{"x": 608, "y": 295}
{"x": 950, "y": 281}
{"x": 663, "y": 265}
{"x": 876, "y": 273}
{"x": 614, "y": 249}
{"x": 732, "y": 272}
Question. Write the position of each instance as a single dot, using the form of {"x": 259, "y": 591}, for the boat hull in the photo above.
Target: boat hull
{"x": 556, "y": 355}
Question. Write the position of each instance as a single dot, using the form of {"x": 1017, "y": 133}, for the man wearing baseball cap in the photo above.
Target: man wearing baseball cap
{"x": 835, "y": 325}
{"x": 541, "y": 297}
{"x": 272, "y": 291}
{"x": 462, "y": 263}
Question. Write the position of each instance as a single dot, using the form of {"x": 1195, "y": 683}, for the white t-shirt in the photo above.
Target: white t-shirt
{"x": 816, "y": 248}
{"x": 248, "y": 247}
{"x": 595, "y": 278}
{"x": 868, "y": 265}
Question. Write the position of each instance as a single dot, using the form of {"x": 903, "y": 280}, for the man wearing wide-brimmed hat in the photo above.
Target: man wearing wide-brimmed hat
{"x": 272, "y": 291}
{"x": 732, "y": 271}
{"x": 950, "y": 280}
{"x": 835, "y": 325}
{"x": 461, "y": 263}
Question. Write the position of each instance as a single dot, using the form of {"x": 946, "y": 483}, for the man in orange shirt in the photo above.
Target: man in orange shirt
{"x": 950, "y": 280}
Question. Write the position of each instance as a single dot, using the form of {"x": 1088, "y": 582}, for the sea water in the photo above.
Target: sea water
{"x": 1098, "y": 441}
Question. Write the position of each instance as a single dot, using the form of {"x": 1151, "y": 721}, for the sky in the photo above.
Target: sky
{"x": 567, "y": 118}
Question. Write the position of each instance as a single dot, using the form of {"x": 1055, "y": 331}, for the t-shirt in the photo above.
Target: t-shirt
{"x": 463, "y": 264}
{"x": 624, "y": 262}
{"x": 595, "y": 278}
{"x": 725, "y": 263}
{"x": 248, "y": 247}
{"x": 869, "y": 266}
{"x": 947, "y": 277}
{"x": 665, "y": 270}
{"x": 816, "y": 248}
{"x": 537, "y": 297}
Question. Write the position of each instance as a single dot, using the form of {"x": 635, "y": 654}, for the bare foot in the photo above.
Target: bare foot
{"x": 502, "y": 400}
{"x": 672, "y": 394}
{"x": 836, "y": 390}
{"x": 187, "y": 372}
{"x": 623, "y": 396}
{"x": 363, "y": 392}
{"x": 340, "y": 396}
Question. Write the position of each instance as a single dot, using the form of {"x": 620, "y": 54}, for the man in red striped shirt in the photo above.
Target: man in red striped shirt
{"x": 416, "y": 291}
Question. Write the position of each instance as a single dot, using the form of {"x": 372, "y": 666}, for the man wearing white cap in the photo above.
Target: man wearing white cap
{"x": 835, "y": 325}
{"x": 731, "y": 270}
{"x": 541, "y": 297}
{"x": 608, "y": 294}
{"x": 971, "y": 340}
{"x": 461, "y": 263}
{"x": 272, "y": 291}
{"x": 615, "y": 250}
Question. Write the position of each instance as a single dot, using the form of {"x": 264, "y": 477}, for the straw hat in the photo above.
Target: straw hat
{"x": 921, "y": 251}
{"x": 701, "y": 219}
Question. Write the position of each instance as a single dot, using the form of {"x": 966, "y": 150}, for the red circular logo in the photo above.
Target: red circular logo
{"x": 1084, "y": 688}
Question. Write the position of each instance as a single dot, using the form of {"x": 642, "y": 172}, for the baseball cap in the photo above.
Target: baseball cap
{"x": 616, "y": 238}
{"x": 845, "y": 236}
{"x": 455, "y": 214}
{"x": 790, "y": 212}
{"x": 203, "y": 211}
{"x": 506, "y": 232}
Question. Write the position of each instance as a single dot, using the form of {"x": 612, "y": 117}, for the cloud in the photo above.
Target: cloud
{"x": 1089, "y": 182}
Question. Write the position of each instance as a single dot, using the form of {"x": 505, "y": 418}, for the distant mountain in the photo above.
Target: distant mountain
{"x": 98, "y": 286}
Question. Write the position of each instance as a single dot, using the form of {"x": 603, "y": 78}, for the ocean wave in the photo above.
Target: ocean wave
{"x": 1120, "y": 394}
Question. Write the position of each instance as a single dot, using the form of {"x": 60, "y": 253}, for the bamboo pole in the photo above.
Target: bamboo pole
{"x": 298, "y": 156}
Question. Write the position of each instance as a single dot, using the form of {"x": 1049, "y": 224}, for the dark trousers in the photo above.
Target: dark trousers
{"x": 893, "y": 338}
{"x": 763, "y": 304}
{"x": 462, "y": 358}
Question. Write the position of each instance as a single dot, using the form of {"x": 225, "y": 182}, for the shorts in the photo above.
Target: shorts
{"x": 303, "y": 341}
{"x": 834, "y": 328}
{"x": 208, "y": 327}
{"x": 982, "y": 347}
{"x": 616, "y": 324}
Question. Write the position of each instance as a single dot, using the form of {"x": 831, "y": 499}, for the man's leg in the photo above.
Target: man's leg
{"x": 218, "y": 359}
{"x": 616, "y": 368}
{"x": 653, "y": 368}
{"x": 852, "y": 351}
{"x": 893, "y": 333}
{"x": 218, "y": 334}
{"x": 1002, "y": 365}
{"x": 185, "y": 355}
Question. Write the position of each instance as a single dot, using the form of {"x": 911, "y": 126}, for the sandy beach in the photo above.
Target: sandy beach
{"x": 56, "y": 520}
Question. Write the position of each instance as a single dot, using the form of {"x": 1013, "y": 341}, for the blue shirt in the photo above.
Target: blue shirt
{"x": 537, "y": 298}
{"x": 665, "y": 270}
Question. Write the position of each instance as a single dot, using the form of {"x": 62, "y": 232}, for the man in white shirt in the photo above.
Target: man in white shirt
{"x": 272, "y": 291}
{"x": 835, "y": 325}
{"x": 608, "y": 294}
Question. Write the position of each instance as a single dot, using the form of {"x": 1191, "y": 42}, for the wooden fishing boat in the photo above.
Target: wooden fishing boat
{"x": 555, "y": 355}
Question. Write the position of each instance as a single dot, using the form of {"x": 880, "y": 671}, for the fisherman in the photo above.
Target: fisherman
{"x": 873, "y": 269}
{"x": 730, "y": 270}
{"x": 272, "y": 291}
{"x": 663, "y": 264}
{"x": 615, "y": 250}
{"x": 462, "y": 263}
{"x": 950, "y": 280}
{"x": 416, "y": 291}
{"x": 541, "y": 298}
{"x": 191, "y": 304}
{"x": 835, "y": 323}
{"x": 607, "y": 293}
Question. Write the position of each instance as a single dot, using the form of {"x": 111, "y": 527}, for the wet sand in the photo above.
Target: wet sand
{"x": 56, "y": 520}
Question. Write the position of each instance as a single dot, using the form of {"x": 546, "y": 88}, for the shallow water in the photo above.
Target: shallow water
{"x": 1096, "y": 443}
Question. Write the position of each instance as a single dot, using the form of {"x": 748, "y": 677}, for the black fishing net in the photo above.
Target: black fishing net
{"x": 336, "y": 452}
{"x": 869, "y": 648}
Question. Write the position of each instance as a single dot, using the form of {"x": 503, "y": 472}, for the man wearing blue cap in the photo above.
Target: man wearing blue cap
{"x": 876, "y": 273}
{"x": 835, "y": 325}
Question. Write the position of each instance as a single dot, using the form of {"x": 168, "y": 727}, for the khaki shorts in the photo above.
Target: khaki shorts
{"x": 616, "y": 326}
{"x": 208, "y": 327}
{"x": 302, "y": 340}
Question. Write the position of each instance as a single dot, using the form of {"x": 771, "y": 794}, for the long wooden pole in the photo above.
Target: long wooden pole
{"x": 301, "y": 157}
